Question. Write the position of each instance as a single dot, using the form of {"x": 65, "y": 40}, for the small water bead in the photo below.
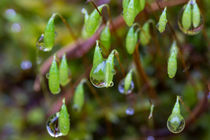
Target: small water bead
{"x": 191, "y": 21}
{"x": 97, "y": 75}
{"x": 176, "y": 122}
{"x": 129, "y": 111}
{"x": 52, "y": 126}
{"x": 40, "y": 42}
{"x": 121, "y": 88}
{"x": 25, "y": 65}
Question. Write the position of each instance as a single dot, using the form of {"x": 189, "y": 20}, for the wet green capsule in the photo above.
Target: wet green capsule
{"x": 49, "y": 34}
{"x": 145, "y": 34}
{"x": 109, "y": 70}
{"x": 187, "y": 17}
{"x": 63, "y": 119}
{"x": 92, "y": 22}
{"x": 105, "y": 38}
{"x": 176, "y": 122}
{"x": 78, "y": 100}
{"x": 129, "y": 12}
{"x": 172, "y": 60}
{"x": 53, "y": 82}
{"x": 128, "y": 80}
{"x": 195, "y": 15}
{"x": 131, "y": 40}
{"x": 162, "y": 21}
{"x": 97, "y": 73}
{"x": 63, "y": 71}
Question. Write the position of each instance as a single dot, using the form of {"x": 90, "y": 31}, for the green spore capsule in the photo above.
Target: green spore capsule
{"x": 105, "y": 38}
{"x": 92, "y": 22}
{"x": 129, "y": 12}
{"x": 187, "y": 16}
{"x": 139, "y": 4}
{"x": 109, "y": 70}
{"x": 63, "y": 71}
{"x": 145, "y": 34}
{"x": 131, "y": 40}
{"x": 97, "y": 73}
{"x": 63, "y": 119}
{"x": 176, "y": 122}
{"x": 53, "y": 79}
{"x": 78, "y": 100}
{"x": 162, "y": 21}
{"x": 172, "y": 60}
{"x": 128, "y": 81}
{"x": 49, "y": 34}
{"x": 195, "y": 14}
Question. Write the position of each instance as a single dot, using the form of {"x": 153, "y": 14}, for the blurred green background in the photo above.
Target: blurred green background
{"x": 23, "y": 112}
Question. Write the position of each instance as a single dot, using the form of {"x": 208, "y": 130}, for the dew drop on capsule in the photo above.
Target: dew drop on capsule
{"x": 190, "y": 20}
{"x": 176, "y": 122}
{"x": 52, "y": 125}
{"x": 126, "y": 85}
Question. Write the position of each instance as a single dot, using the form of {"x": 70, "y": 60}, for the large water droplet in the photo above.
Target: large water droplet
{"x": 40, "y": 42}
{"x": 52, "y": 126}
{"x": 192, "y": 30}
{"x": 97, "y": 75}
{"x": 175, "y": 123}
{"x": 121, "y": 88}
{"x": 129, "y": 111}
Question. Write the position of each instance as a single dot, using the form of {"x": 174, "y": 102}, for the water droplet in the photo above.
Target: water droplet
{"x": 129, "y": 111}
{"x": 192, "y": 30}
{"x": 52, "y": 126}
{"x": 25, "y": 65}
{"x": 121, "y": 88}
{"x": 10, "y": 12}
{"x": 176, "y": 122}
{"x": 97, "y": 75}
{"x": 40, "y": 42}
{"x": 150, "y": 138}
{"x": 47, "y": 75}
{"x": 16, "y": 27}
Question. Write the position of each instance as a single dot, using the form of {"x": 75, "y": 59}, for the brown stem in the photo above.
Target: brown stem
{"x": 136, "y": 57}
{"x": 81, "y": 47}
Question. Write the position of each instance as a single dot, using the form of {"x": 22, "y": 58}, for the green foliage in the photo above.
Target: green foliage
{"x": 53, "y": 81}
{"x": 63, "y": 119}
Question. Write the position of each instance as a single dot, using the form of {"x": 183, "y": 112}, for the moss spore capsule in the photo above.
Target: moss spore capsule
{"x": 64, "y": 71}
{"x": 176, "y": 122}
{"x": 53, "y": 81}
{"x": 172, "y": 60}
{"x": 63, "y": 119}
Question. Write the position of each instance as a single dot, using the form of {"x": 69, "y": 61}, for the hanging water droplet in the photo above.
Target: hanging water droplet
{"x": 121, "y": 87}
{"x": 129, "y": 111}
{"x": 176, "y": 122}
{"x": 195, "y": 25}
{"x": 52, "y": 126}
{"x": 97, "y": 75}
{"x": 40, "y": 42}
